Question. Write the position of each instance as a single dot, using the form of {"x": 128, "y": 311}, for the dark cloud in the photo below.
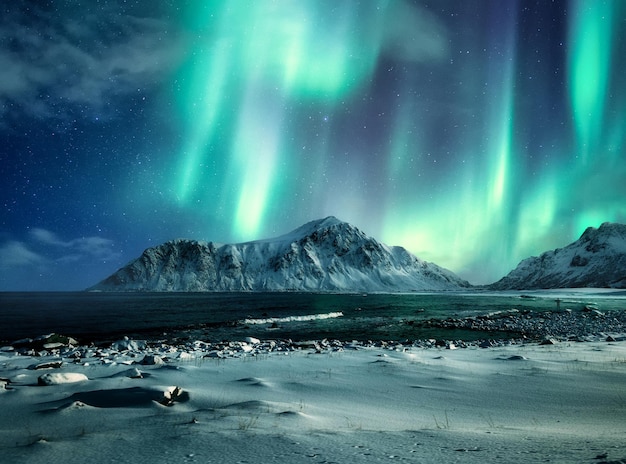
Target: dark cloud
{"x": 18, "y": 254}
{"x": 42, "y": 254}
{"x": 79, "y": 248}
{"x": 81, "y": 56}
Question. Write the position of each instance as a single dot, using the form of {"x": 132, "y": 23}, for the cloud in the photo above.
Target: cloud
{"x": 97, "y": 247}
{"x": 78, "y": 248}
{"x": 85, "y": 57}
{"x": 17, "y": 254}
{"x": 47, "y": 237}
{"x": 415, "y": 34}
{"x": 44, "y": 261}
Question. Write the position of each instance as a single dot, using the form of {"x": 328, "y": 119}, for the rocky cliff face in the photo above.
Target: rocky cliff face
{"x": 323, "y": 255}
{"x": 596, "y": 259}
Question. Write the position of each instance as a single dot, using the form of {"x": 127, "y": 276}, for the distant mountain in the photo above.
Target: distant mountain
{"x": 323, "y": 255}
{"x": 596, "y": 259}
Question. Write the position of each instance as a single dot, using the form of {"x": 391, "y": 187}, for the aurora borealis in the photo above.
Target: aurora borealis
{"x": 474, "y": 133}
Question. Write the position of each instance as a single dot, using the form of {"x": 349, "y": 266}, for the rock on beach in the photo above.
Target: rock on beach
{"x": 60, "y": 378}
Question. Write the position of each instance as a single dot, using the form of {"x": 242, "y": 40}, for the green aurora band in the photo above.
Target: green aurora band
{"x": 600, "y": 127}
{"x": 270, "y": 107}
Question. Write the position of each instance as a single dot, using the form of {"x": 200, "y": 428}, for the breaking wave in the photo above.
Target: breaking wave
{"x": 310, "y": 317}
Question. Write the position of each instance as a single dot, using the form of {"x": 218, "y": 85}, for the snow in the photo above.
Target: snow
{"x": 61, "y": 378}
{"x": 324, "y": 255}
{"x": 596, "y": 259}
{"x": 517, "y": 403}
{"x": 303, "y": 231}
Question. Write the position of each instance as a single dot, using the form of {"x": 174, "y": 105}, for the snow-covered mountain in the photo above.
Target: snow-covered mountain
{"x": 596, "y": 259}
{"x": 323, "y": 255}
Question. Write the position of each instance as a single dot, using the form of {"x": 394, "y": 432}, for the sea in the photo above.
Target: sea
{"x": 93, "y": 317}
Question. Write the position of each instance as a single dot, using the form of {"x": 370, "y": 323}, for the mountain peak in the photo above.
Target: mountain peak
{"x": 311, "y": 227}
{"x": 606, "y": 229}
{"x": 328, "y": 221}
{"x": 320, "y": 224}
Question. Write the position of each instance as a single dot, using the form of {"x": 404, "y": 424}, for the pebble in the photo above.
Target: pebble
{"x": 537, "y": 326}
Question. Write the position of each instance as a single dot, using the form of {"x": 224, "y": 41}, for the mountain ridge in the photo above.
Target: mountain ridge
{"x": 321, "y": 255}
{"x": 596, "y": 259}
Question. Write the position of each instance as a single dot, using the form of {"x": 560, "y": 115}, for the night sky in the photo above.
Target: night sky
{"x": 475, "y": 133}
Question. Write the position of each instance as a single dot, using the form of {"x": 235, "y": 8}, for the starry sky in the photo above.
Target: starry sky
{"x": 474, "y": 133}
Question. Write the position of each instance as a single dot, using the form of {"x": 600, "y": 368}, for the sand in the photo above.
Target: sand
{"x": 521, "y": 403}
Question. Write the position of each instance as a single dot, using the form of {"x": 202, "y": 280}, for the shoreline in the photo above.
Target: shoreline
{"x": 519, "y": 327}
{"x": 233, "y": 317}
{"x": 552, "y": 391}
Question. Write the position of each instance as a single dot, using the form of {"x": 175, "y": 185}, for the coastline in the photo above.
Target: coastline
{"x": 552, "y": 391}
{"x": 104, "y": 318}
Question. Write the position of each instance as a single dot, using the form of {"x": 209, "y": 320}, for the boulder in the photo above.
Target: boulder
{"x": 61, "y": 378}
{"x": 48, "y": 365}
{"x": 174, "y": 394}
{"x": 48, "y": 342}
{"x": 152, "y": 360}
{"x": 132, "y": 373}
{"x": 129, "y": 345}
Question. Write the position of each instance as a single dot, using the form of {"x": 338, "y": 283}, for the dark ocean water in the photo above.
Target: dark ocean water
{"x": 232, "y": 316}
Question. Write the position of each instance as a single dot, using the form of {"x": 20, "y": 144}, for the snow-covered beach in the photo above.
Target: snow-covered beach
{"x": 255, "y": 401}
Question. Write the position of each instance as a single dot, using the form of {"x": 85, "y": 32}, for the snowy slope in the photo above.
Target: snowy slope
{"x": 596, "y": 259}
{"x": 323, "y": 255}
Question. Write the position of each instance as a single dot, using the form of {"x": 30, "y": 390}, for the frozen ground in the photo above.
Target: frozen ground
{"x": 564, "y": 402}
